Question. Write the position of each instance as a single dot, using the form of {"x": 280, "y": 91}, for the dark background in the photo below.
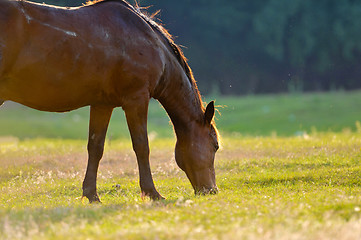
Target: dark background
{"x": 265, "y": 46}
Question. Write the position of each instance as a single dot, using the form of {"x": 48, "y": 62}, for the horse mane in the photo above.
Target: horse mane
{"x": 157, "y": 27}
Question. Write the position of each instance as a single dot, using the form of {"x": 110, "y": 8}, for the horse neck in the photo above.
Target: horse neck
{"x": 181, "y": 99}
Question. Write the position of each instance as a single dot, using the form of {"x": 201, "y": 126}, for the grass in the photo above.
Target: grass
{"x": 284, "y": 115}
{"x": 288, "y": 115}
{"x": 270, "y": 188}
{"x": 290, "y": 168}
{"x": 23, "y": 122}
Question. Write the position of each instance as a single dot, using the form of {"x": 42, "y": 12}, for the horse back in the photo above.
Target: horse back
{"x": 100, "y": 54}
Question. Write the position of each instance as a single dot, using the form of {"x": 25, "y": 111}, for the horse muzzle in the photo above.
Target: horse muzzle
{"x": 206, "y": 191}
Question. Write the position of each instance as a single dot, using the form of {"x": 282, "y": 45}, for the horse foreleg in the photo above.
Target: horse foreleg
{"x": 98, "y": 125}
{"x": 137, "y": 123}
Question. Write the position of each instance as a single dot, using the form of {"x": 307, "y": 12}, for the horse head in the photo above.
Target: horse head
{"x": 195, "y": 153}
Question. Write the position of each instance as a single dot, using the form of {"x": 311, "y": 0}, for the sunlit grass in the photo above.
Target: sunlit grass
{"x": 306, "y": 187}
{"x": 303, "y": 187}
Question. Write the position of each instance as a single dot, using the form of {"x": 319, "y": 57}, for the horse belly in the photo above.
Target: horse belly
{"x": 62, "y": 81}
{"x": 47, "y": 94}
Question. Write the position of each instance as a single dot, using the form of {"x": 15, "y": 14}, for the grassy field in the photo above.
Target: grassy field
{"x": 283, "y": 115}
{"x": 270, "y": 188}
{"x": 289, "y": 168}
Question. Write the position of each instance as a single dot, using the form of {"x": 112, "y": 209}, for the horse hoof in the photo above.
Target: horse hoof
{"x": 155, "y": 196}
{"x": 158, "y": 198}
{"x": 96, "y": 201}
{"x": 93, "y": 199}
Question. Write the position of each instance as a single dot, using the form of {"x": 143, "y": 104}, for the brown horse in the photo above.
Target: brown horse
{"x": 105, "y": 55}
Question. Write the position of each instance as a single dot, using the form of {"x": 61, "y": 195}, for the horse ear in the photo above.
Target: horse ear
{"x": 209, "y": 113}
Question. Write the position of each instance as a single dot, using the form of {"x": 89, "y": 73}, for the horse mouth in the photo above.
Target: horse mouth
{"x": 206, "y": 190}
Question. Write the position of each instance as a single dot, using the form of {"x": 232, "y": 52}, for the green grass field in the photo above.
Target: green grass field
{"x": 283, "y": 115}
{"x": 289, "y": 168}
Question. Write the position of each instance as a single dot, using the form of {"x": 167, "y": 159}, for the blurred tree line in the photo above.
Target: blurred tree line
{"x": 263, "y": 46}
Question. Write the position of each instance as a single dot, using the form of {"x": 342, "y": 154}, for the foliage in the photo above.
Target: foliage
{"x": 270, "y": 188}
{"x": 266, "y": 46}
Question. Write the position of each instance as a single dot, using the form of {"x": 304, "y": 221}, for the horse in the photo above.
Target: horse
{"x": 107, "y": 54}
